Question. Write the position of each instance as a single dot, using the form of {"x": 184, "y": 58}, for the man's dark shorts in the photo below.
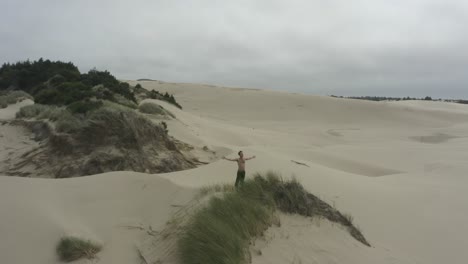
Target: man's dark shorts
{"x": 240, "y": 178}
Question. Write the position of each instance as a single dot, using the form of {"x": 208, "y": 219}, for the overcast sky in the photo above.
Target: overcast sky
{"x": 360, "y": 47}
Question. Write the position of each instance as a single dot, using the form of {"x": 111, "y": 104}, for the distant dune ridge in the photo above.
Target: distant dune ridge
{"x": 146, "y": 79}
{"x": 397, "y": 167}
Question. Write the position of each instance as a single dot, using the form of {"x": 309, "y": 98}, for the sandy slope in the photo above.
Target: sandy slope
{"x": 10, "y": 111}
{"x": 398, "y": 167}
{"x": 301, "y": 240}
{"x": 115, "y": 209}
{"x": 14, "y": 140}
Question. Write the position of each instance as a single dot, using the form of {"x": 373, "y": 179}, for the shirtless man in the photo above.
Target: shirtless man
{"x": 241, "y": 167}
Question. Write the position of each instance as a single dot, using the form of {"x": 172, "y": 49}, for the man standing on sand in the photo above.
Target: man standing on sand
{"x": 241, "y": 167}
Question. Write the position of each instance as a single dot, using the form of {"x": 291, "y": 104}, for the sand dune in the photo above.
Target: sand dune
{"x": 116, "y": 209}
{"x": 293, "y": 243}
{"x": 10, "y": 111}
{"x": 370, "y": 159}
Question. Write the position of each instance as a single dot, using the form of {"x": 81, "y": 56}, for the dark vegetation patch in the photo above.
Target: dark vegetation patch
{"x": 61, "y": 83}
{"x": 72, "y": 248}
{"x": 84, "y": 106}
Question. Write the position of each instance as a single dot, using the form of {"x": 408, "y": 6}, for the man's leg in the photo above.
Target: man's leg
{"x": 242, "y": 177}
{"x": 238, "y": 179}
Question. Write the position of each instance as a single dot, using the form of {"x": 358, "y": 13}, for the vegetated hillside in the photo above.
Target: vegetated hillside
{"x": 87, "y": 123}
{"x": 60, "y": 83}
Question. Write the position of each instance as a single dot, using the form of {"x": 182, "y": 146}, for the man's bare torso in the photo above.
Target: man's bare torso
{"x": 240, "y": 161}
{"x": 241, "y": 164}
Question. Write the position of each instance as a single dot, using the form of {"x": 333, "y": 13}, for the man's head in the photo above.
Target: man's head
{"x": 241, "y": 154}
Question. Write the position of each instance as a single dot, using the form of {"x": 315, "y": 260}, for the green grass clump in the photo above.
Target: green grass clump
{"x": 220, "y": 233}
{"x": 72, "y": 248}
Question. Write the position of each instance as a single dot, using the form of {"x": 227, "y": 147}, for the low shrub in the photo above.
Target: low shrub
{"x": 72, "y": 248}
{"x": 153, "y": 94}
{"x": 69, "y": 123}
{"x": 64, "y": 94}
{"x": 119, "y": 99}
{"x": 151, "y": 108}
{"x": 116, "y": 107}
{"x": 40, "y": 112}
{"x": 84, "y": 106}
{"x": 63, "y": 119}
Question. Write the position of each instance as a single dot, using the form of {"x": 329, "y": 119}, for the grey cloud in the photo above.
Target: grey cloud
{"x": 362, "y": 47}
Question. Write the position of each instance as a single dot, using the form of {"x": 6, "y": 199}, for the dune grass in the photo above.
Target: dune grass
{"x": 116, "y": 107}
{"x": 291, "y": 197}
{"x": 13, "y": 97}
{"x": 154, "y": 109}
{"x": 220, "y": 232}
{"x": 206, "y": 190}
{"x": 105, "y": 115}
{"x": 72, "y": 248}
{"x": 151, "y": 108}
{"x": 68, "y": 123}
{"x": 119, "y": 99}
{"x": 63, "y": 119}
{"x": 40, "y": 112}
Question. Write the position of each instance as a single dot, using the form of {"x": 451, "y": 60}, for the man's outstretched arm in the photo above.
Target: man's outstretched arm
{"x": 253, "y": 157}
{"x": 229, "y": 159}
